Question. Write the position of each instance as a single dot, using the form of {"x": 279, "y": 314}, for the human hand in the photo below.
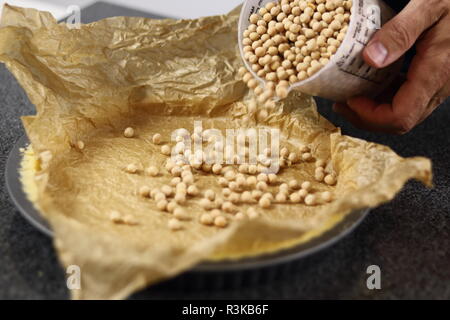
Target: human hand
{"x": 427, "y": 84}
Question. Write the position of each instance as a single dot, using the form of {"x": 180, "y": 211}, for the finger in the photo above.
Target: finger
{"x": 346, "y": 112}
{"x": 379, "y": 117}
{"x": 399, "y": 34}
{"x": 389, "y": 92}
{"x": 354, "y": 119}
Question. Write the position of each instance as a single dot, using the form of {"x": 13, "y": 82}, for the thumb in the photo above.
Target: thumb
{"x": 399, "y": 34}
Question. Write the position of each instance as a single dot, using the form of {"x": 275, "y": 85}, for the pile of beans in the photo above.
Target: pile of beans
{"x": 239, "y": 184}
{"x": 290, "y": 40}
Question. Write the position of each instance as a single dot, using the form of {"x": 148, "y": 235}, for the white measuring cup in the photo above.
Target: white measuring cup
{"x": 346, "y": 75}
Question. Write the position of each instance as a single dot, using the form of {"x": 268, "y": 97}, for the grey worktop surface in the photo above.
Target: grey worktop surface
{"x": 408, "y": 238}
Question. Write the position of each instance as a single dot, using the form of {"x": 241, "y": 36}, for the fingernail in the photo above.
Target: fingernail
{"x": 377, "y": 52}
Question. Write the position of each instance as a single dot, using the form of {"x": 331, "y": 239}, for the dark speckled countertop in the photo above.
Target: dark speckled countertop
{"x": 408, "y": 238}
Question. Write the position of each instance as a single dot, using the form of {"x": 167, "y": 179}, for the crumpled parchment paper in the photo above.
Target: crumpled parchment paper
{"x": 88, "y": 84}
